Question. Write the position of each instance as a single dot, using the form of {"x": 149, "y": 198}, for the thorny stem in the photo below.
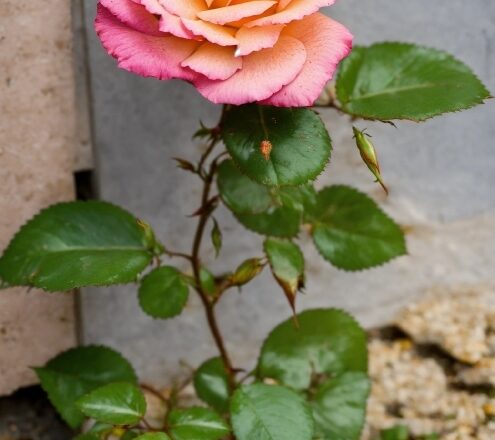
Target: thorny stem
{"x": 204, "y": 215}
{"x": 177, "y": 254}
{"x": 153, "y": 391}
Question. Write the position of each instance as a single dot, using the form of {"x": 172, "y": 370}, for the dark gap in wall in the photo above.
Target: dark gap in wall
{"x": 28, "y": 415}
{"x": 84, "y": 183}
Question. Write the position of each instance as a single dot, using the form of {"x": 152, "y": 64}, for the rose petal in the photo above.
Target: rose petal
{"x": 263, "y": 73}
{"x": 214, "y": 33}
{"x": 237, "y": 12}
{"x": 152, "y": 6}
{"x": 184, "y": 8}
{"x": 213, "y": 61}
{"x": 257, "y": 38}
{"x": 295, "y": 10}
{"x": 327, "y": 42}
{"x": 282, "y": 4}
{"x": 145, "y": 55}
{"x": 133, "y": 15}
{"x": 173, "y": 25}
{"x": 217, "y": 3}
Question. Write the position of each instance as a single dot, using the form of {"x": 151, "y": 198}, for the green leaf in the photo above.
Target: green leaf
{"x": 163, "y": 293}
{"x": 298, "y": 197}
{"x": 395, "y": 433}
{"x": 339, "y": 406}
{"x": 241, "y": 194}
{"x": 268, "y": 412}
{"x": 329, "y": 341}
{"x": 101, "y": 428}
{"x": 78, "y": 371}
{"x": 77, "y": 244}
{"x": 197, "y": 423}
{"x": 352, "y": 232}
{"x": 276, "y": 222}
{"x": 207, "y": 281}
{"x": 299, "y": 144}
{"x": 212, "y": 385}
{"x": 405, "y": 81}
{"x": 287, "y": 264}
{"x": 273, "y": 211}
{"x": 216, "y": 238}
{"x": 131, "y": 435}
{"x": 119, "y": 403}
{"x": 153, "y": 436}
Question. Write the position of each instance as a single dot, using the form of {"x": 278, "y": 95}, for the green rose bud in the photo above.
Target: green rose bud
{"x": 248, "y": 270}
{"x": 368, "y": 154}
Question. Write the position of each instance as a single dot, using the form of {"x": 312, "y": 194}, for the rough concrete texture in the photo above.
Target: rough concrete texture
{"x": 36, "y": 160}
{"x": 441, "y": 175}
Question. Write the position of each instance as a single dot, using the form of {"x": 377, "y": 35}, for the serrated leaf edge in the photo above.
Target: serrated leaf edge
{"x": 426, "y": 118}
{"x": 318, "y": 309}
{"x": 43, "y": 211}
{"x": 158, "y": 318}
{"x": 313, "y": 176}
{"x": 50, "y": 394}
{"x": 364, "y": 269}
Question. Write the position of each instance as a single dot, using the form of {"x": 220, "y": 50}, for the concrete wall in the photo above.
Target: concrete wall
{"x": 36, "y": 161}
{"x": 441, "y": 175}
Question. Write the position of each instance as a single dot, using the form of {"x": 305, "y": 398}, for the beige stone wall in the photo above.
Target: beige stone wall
{"x": 36, "y": 163}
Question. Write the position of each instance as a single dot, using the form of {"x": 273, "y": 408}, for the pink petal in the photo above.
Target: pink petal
{"x": 327, "y": 42}
{"x": 214, "y": 33}
{"x": 237, "y": 12}
{"x": 133, "y": 15}
{"x": 213, "y": 61}
{"x": 257, "y": 38}
{"x": 152, "y": 6}
{"x": 295, "y": 10}
{"x": 145, "y": 55}
{"x": 263, "y": 74}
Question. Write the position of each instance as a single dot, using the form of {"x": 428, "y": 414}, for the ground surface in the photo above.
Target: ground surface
{"x": 433, "y": 371}
{"x": 27, "y": 415}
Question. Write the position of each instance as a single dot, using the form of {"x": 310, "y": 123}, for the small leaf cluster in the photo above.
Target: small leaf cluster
{"x": 309, "y": 383}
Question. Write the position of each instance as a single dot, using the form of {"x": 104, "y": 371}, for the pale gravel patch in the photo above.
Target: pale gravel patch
{"x": 452, "y": 395}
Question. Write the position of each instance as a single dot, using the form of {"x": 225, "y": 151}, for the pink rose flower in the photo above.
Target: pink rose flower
{"x": 275, "y": 52}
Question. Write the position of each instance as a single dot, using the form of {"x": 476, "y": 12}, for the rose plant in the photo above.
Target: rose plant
{"x": 266, "y": 61}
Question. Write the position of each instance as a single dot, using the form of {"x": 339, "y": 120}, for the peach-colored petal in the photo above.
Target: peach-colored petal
{"x": 169, "y": 23}
{"x": 282, "y": 4}
{"x": 213, "y": 61}
{"x": 173, "y": 25}
{"x": 295, "y": 10}
{"x": 263, "y": 73}
{"x": 145, "y": 55}
{"x": 217, "y": 3}
{"x": 133, "y": 15}
{"x": 214, "y": 33}
{"x": 257, "y": 38}
{"x": 184, "y": 8}
{"x": 233, "y": 13}
{"x": 327, "y": 42}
